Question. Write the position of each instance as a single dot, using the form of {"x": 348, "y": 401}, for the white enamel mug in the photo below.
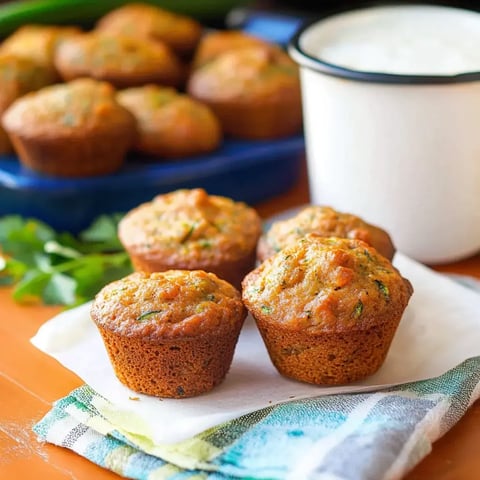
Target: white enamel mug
{"x": 400, "y": 150}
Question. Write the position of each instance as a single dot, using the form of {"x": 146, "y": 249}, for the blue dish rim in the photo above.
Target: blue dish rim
{"x": 232, "y": 155}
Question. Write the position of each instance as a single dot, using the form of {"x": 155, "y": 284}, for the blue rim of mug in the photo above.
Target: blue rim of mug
{"x": 306, "y": 60}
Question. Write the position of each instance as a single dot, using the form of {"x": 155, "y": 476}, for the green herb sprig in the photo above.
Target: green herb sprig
{"x": 57, "y": 267}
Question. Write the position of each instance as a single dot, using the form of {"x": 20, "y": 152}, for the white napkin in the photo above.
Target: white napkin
{"x": 439, "y": 330}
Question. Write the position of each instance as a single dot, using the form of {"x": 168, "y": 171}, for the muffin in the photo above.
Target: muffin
{"x": 5, "y": 145}
{"x": 192, "y": 230}
{"x": 181, "y": 33}
{"x": 71, "y": 130}
{"x": 119, "y": 59}
{"x": 38, "y": 42}
{"x": 217, "y": 42}
{"x": 170, "y": 334}
{"x": 327, "y": 308}
{"x": 254, "y": 91}
{"x": 170, "y": 124}
{"x": 19, "y": 76}
{"x": 324, "y": 221}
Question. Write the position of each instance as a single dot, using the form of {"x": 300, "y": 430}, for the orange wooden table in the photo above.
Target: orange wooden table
{"x": 30, "y": 381}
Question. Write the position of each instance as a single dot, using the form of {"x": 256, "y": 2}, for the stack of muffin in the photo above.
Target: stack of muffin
{"x": 143, "y": 79}
{"x": 320, "y": 285}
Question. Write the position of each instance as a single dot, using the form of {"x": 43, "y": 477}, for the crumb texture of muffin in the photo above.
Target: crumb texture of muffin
{"x": 325, "y": 221}
{"x": 75, "y": 129}
{"x": 122, "y": 60}
{"x": 190, "y": 229}
{"x": 327, "y": 308}
{"x": 170, "y": 124}
{"x": 18, "y": 76}
{"x": 180, "y": 32}
{"x": 170, "y": 334}
{"x": 254, "y": 91}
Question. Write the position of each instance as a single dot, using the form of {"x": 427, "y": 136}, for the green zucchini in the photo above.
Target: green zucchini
{"x": 85, "y": 12}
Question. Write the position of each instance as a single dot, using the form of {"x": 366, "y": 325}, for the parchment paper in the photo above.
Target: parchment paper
{"x": 440, "y": 329}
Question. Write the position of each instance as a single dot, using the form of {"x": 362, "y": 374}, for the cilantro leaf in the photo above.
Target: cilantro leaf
{"x": 31, "y": 286}
{"x": 102, "y": 233}
{"x": 58, "y": 267}
{"x": 60, "y": 289}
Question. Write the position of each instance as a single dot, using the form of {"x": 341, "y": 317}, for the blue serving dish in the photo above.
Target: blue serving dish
{"x": 250, "y": 171}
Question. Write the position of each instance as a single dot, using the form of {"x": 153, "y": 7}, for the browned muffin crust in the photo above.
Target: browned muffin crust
{"x": 254, "y": 91}
{"x": 217, "y": 42}
{"x": 182, "y": 33}
{"x": 5, "y": 145}
{"x": 73, "y": 129}
{"x": 121, "y": 60}
{"x": 327, "y": 308}
{"x": 190, "y": 229}
{"x": 324, "y": 221}
{"x": 172, "y": 333}
{"x": 170, "y": 124}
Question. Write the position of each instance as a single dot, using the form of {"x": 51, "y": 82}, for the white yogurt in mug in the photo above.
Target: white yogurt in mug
{"x": 416, "y": 39}
{"x": 391, "y": 103}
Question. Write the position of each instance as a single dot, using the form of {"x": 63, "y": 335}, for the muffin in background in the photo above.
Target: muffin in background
{"x": 170, "y": 334}
{"x": 216, "y": 42}
{"x": 192, "y": 230}
{"x": 122, "y": 60}
{"x": 180, "y": 32}
{"x": 327, "y": 308}
{"x": 18, "y": 76}
{"x": 5, "y": 145}
{"x": 75, "y": 129}
{"x": 170, "y": 124}
{"x": 38, "y": 42}
{"x": 254, "y": 91}
{"x": 324, "y": 221}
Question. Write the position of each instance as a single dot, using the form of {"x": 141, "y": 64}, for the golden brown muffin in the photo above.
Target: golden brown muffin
{"x": 171, "y": 125}
{"x": 254, "y": 91}
{"x": 38, "y": 42}
{"x": 119, "y": 59}
{"x": 327, "y": 308}
{"x": 19, "y": 76}
{"x": 75, "y": 129}
{"x": 324, "y": 221}
{"x": 5, "y": 145}
{"x": 140, "y": 20}
{"x": 217, "y": 42}
{"x": 170, "y": 334}
{"x": 192, "y": 230}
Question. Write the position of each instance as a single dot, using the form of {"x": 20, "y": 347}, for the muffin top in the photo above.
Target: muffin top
{"x": 193, "y": 224}
{"x": 171, "y": 118}
{"x": 326, "y": 284}
{"x": 247, "y": 73}
{"x": 19, "y": 75}
{"x": 324, "y": 221}
{"x": 65, "y": 110}
{"x": 141, "y": 20}
{"x": 121, "y": 59}
{"x": 217, "y": 42}
{"x": 37, "y": 42}
{"x": 153, "y": 104}
{"x": 171, "y": 304}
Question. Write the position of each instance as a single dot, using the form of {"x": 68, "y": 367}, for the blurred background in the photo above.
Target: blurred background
{"x": 305, "y": 7}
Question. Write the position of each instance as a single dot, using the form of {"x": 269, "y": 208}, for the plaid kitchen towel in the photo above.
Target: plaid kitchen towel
{"x": 363, "y": 436}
